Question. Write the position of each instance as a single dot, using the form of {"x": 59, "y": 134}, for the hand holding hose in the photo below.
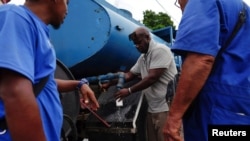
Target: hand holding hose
{"x": 122, "y": 93}
{"x": 105, "y": 85}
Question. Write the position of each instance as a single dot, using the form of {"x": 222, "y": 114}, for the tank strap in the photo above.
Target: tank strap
{"x": 37, "y": 88}
{"x": 240, "y": 22}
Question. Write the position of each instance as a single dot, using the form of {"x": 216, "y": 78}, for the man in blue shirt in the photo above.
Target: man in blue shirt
{"x": 210, "y": 92}
{"x": 26, "y": 57}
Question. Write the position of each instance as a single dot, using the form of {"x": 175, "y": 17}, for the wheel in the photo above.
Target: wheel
{"x": 69, "y": 131}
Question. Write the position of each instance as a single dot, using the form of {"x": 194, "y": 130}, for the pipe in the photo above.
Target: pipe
{"x": 96, "y": 115}
{"x": 107, "y": 77}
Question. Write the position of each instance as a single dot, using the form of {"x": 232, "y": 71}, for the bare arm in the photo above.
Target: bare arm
{"x": 66, "y": 85}
{"x": 195, "y": 71}
{"x": 153, "y": 76}
{"x": 87, "y": 93}
{"x": 22, "y": 112}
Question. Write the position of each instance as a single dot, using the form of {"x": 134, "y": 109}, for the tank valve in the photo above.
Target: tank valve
{"x": 121, "y": 80}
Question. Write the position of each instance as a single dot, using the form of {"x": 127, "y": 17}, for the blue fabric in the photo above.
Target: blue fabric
{"x": 225, "y": 98}
{"x": 26, "y": 49}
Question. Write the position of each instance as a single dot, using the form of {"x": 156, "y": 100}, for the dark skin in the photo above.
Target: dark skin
{"x": 87, "y": 94}
{"x": 16, "y": 90}
{"x": 187, "y": 89}
{"x": 142, "y": 45}
{"x": 4, "y": 1}
{"x": 22, "y": 112}
{"x": 153, "y": 76}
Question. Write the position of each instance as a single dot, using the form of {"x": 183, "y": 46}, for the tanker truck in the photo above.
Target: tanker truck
{"x": 93, "y": 43}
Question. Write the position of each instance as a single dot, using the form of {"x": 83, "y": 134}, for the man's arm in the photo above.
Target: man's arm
{"x": 153, "y": 76}
{"x": 87, "y": 94}
{"x": 195, "y": 71}
{"x": 22, "y": 112}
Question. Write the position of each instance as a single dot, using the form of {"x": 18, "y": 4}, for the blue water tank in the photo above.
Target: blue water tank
{"x": 93, "y": 39}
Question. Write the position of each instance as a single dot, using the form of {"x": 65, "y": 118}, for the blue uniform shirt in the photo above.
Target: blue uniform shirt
{"x": 225, "y": 98}
{"x": 25, "y": 48}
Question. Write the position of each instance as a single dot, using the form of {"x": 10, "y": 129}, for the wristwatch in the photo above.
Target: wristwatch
{"x": 82, "y": 81}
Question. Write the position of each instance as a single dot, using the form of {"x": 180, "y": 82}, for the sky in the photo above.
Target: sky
{"x": 136, "y": 7}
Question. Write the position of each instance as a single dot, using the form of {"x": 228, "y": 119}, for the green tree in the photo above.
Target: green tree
{"x": 156, "y": 20}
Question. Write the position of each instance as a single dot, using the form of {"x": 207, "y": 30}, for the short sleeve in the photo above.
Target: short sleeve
{"x": 199, "y": 28}
{"x": 16, "y": 44}
{"x": 161, "y": 58}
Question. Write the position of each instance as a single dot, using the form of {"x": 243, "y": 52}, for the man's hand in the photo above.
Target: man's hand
{"x": 172, "y": 129}
{"x": 88, "y": 97}
{"x": 105, "y": 85}
{"x": 122, "y": 93}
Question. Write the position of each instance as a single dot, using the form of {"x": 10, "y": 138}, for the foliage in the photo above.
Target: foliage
{"x": 156, "y": 20}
